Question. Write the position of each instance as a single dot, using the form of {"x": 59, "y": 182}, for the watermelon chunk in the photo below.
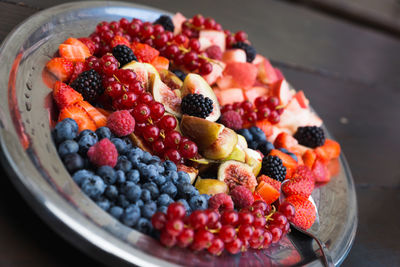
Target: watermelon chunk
{"x": 234, "y": 55}
{"x": 209, "y": 38}
{"x": 243, "y": 74}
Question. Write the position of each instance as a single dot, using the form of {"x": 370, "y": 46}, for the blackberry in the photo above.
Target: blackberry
{"x": 310, "y": 136}
{"x": 197, "y": 105}
{"x": 123, "y": 54}
{"x": 89, "y": 85}
{"x": 250, "y": 51}
{"x": 166, "y": 22}
{"x": 272, "y": 166}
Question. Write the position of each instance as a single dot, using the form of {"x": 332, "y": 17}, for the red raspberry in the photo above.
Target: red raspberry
{"x": 220, "y": 202}
{"x": 78, "y": 69}
{"x": 103, "y": 153}
{"x": 121, "y": 123}
{"x": 242, "y": 197}
{"x": 232, "y": 119}
{"x": 214, "y": 52}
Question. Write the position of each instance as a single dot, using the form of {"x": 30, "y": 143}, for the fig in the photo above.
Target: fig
{"x": 235, "y": 173}
{"x": 138, "y": 141}
{"x": 237, "y": 154}
{"x": 211, "y": 186}
{"x": 254, "y": 160}
{"x": 193, "y": 172}
{"x": 242, "y": 143}
{"x": 163, "y": 94}
{"x": 170, "y": 79}
{"x": 201, "y": 131}
{"x": 143, "y": 72}
{"x": 223, "y": 146}
{"x": 195, "y": 84}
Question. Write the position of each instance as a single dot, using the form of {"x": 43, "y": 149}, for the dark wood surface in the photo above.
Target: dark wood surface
{"x": 350, "y": 73}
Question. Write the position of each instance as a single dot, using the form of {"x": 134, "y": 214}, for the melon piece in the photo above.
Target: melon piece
{"x": 218, "y": 67}
{"x": 279, "y": 74}
{"x": 282, "y": 92}
{"x": 195, "y": 84}
{"x": 230, "y": 96}
{"x": 292, "y": 118}
{"x": 266, "y": 73}
{"x": 225, "y": 82}
{"x": 255, "y": 92}
{"x": 163, "y": 94}
{"x": 178, "y": 20}
{"x": 258, "y": 59}
{"x": 234, "y": 55}
{"x": 243, "y": 74}
{"x": 209, "y": 38}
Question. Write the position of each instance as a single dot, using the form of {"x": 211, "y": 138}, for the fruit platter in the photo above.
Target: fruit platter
{"x": 150, "y": 138}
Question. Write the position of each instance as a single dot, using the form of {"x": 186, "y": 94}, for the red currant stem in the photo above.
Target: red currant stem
{"x": 268, "y": 217}
{"x": 162, "y": 134}
{"x": 190, "y": 25}
{"x": 115, "y": 77}
{"x": 279, "y": 107}
{"x": 150, "y": 121}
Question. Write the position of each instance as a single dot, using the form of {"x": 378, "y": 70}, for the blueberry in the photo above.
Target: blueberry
{"x": 152, "y": 187}
{"x": 135, "y": 160}
{"x": 265, "y": 147}
{"x": 93, "y": 186}
{"x": 135, "y": 153}
{"x": 120, "y": 145}
{"x": 206, "y": 196}
{"x": 183, "y": 177}
{"x": 116, "y": 211}
{"x": 160, "y": 180}
{"x": 67, "y": 147}
{"x": 170, "y": 189}
{"x": 66, "y": 129}
{"x": 86, "y": 141}
{"x": 111, "y": 192}
{"x": 162, "y": 209}
{"x": 123, "y": 164}
{"x": 148, "y": 173}
{"x": 181, "y": 75}
{"x": 293, "y": 156}
{"x": 122, "y": 201}
{"x": 284, "y": 150}
{"x": 73, "y": 162}
{"x": 198, "y": 203}
{"x": 104, "y": 132}
{"x": 145, "y": 196}
{"x": 124, "y": 187}
{"x": 131, "y": 215}
{"x": 104, "y": 203}
{"x": 159, "y": 167}
{"x": 187, "y": 190}
{"x": 81, "y": 176}
{"x": 128, "y": 142}
{"x": 146, "y": 157}
{"x": 258, "y": 134}
{"x": 169, "y": 166}
{"x": 154, "y": 159}
{"x": 172, "y": 176}
{"x": 186, "y": 205}
{"x": 144, "y": 226}
{"x": 148, "y": 209}
{"x": 139, "y": 203}
{"x": 246, "y": 134}
{"x": 164, "y": 200}
{"x": 253, "y": 144}
{"x": 120, "y": 177}
{"x": 107, "y": 173}
{"x": 133, "y": 193}
{"x": 133, "y": 176}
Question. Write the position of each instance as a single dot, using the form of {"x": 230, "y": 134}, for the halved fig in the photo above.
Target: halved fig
{"x": 211, "y": 186}
{"x": 235, "y": 173}
{"x": 163, "y": 94}
{"x": 223, "y": 146}
{"x": 138, "y": 141}
{"x": 201, "y": 131}
{"x": 170, "y": 79}
{"x": 193, "y": 172}
{"x": 143, "y": 72}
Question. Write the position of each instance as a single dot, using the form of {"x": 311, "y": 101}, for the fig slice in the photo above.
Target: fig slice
{"x": 195, "y": 84}
{"x": 163, "y": 94}
{"x": 143, "y": 72}
{"x": 138, "y": 141}
{"x": 170, "y": 79}
{"x": 223, "y": 146}
{"x": 235, "y": 173}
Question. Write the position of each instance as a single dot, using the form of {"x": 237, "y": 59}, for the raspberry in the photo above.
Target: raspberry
{"x": 232, "y": 119}
{"x": 220, "y": 202}
{"x": 242, "y": 197}
{"x": 121, "y": 123}
{"x": 214, "y": 52}
{"x": 103, "y": 153}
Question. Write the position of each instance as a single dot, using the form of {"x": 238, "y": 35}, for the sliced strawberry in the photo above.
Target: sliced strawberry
{"x": 119, "y": 40}
{"x": 65, "y": 95}
{"x": 74, "y": 50}
{"x": 320, "y": 171}
{"x": 160, "y": 63}
{"x": 305, "y": 172}
{"x": 78, "y": 69}
{"x": 305, "y": 211}
{"x": 285, "y": 140}
{"x": 331, "y": 149}
{"x": 267, "y": 192}
{"x": 99, "y": 119}
{"x": 81, "y": 117}
{"x": 309, "y": 158}
{"x": 276, "y": 184}
{"x": 298, "y": 186}
{"x": 61, "y": 68}
{"x": 89, "y": 43}
{"x": 287, "y": 160}
{"x": 265, "y": 126}
{"x": 144, "y": 52}
{"x": 257, "y": 196}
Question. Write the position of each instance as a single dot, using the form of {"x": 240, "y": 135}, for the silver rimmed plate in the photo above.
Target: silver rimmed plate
{"x": 31, "y": 160}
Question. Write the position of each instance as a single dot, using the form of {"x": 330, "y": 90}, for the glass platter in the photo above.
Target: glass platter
{"x": 32, "y": 163}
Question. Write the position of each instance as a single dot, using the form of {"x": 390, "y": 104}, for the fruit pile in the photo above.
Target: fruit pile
{"x": 179, "y": 129}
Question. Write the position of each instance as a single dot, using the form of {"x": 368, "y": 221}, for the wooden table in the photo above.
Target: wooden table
{"x": 349, "y": 72}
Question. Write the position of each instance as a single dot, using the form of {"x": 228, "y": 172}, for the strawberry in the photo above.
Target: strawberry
{"x": 298, "y": 186}
{"x": 74, "y": 50}
{"x": 268, "y": 192}
{"x": 276, "y": 184}
{"x": 61, "y": 68}
{"x": 78, "y": 69}
{"x": 81, "y": 117}
{"x": 285, "y": 140}
{"x": 160, "y": 63}
{"x": 119, "y": 40}
{"x": 305, "y": 211}
{"x": 265, "y": 126}
{"x": 144, "y": 52}
{"x": 330, "y": 149}
{"x": 65, "y": 95}
{"x": 304, "y": 171}
{"x": 98, "y": 117}
{"x": 320, "y": 171}
{"x": 89, "y": 43}
{"x": 287, "y": 160}
{"x": 309, "y": 158}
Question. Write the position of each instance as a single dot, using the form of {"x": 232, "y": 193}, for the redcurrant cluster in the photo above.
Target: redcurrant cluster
{"x": 263, "y": 108}
{"x": 256, "y": 227}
